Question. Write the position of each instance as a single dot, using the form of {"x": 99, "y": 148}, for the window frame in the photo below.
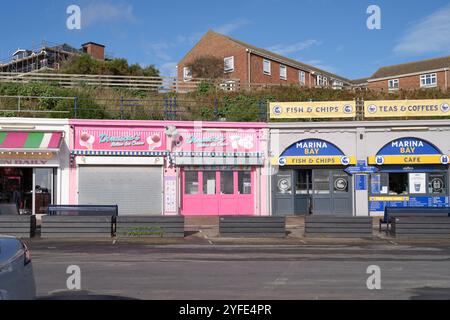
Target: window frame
{"x": 423, "y": 78}
{"x": 230, "y": 58}
{"x": 302, "y": 77}
{"x": 267, "y": 73}
{"x": 185, "y": 77}
{"x": 283, "y": 77}
{"x": 392, "y": 81}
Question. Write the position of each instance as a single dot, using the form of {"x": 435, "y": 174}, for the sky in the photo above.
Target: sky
{"x": 329, "y": 34}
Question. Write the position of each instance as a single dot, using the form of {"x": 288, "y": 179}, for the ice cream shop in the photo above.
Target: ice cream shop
{"x": 34, "y": 165}
{"x": 220, "y": 169}
{"x": 168, "y": 168}
{"x": 118, "y": 162}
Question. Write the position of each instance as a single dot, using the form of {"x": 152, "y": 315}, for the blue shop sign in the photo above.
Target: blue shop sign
{"x": 361, "y": 182}
{"x": 410, "y": 146}
{"x": 312, "y": 147}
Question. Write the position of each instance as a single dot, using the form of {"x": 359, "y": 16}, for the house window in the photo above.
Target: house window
{"x": 267, "y": 67}
{"x": 301, "y": 78}
{"x": 322, "y": 81}
{"x": 187, "y": 73}
{"x": 283, "y": 72}
{"x": 428, "y": 80}
{"x": 394, "y": 84}
{"x": 228, "y": 64}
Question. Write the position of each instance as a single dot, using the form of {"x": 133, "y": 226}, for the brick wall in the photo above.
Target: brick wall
{"x": 258, "y": 76}
{"x": 218, "y": 46}
{"x": 408, "y": 83}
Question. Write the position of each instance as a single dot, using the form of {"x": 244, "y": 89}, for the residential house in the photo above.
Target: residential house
{"x": 424, "y": 74}
{"x": 49, "y": 57}
{"x": 254, "y": 66}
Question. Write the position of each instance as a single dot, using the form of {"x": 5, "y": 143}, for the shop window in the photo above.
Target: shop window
{"x": 245, "y": 182}
{"x": 227, "y": 182}
{"x": 322, "y": 182}
{"x": 417, "y": 183}
{"x": 284, "y": 184}
{"x": 209, "y": 183}
{"x": 340, "y": 184}
{"x": 191, "y": 182}
{"x": 437, "y": 184}
{"x": 398, "y": 183}
{"x": 304, "y": 182}
{"x": 379, "y": 183}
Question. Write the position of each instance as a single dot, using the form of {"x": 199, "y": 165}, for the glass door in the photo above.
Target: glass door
{"x": 43, "y": 189}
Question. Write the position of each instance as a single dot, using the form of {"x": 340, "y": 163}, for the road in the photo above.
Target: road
{"x": 271, "y": 272}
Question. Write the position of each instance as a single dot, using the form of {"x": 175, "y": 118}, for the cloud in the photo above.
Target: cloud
{"x": 168, "y": 69}
{"x": 321, "y": 65}
{"x": 293, "y": 48}
{"x": 232, "y": 26}
{"x": 105, "y": 12}
{"x": 431, "y": 34}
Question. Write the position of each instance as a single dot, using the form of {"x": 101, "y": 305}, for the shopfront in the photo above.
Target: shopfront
{"x": 412, "y": 173}
{"x": 309, "y": 178}
{"x": 220, "y": 170}
{"x": 31, "y": 166}
{"x": 119, "y": 163}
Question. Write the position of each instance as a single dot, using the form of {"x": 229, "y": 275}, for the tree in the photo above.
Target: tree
{"x": 208, "y": 67}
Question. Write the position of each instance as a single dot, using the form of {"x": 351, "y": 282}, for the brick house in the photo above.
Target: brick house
{"x": 424, "y": 74}
{"x": 252, "y": 65}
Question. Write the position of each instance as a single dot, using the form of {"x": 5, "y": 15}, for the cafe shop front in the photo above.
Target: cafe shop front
{"x": 412, "y": 172}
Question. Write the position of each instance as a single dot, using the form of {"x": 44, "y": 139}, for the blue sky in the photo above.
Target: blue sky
{"x": 329, "y": 34}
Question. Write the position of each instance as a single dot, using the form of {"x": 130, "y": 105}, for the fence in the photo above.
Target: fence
{"x": 166, "y": 108}
{"x": 155, "y": 84}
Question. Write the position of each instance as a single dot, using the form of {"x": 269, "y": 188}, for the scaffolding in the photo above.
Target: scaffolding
{"x": 46, "y": 56}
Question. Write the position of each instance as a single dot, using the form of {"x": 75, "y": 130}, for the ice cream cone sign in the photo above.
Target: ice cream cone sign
{"x": 154, "y": 142}
{"x": 87, "y": 140}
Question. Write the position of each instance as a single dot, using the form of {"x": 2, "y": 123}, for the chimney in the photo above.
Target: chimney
{"x": 95, "y": 50}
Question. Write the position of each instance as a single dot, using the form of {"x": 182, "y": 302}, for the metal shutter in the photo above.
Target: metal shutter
{"x": 136, "y": 190}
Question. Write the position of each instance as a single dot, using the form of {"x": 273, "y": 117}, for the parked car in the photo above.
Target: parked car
{"x": 16, "y": 270}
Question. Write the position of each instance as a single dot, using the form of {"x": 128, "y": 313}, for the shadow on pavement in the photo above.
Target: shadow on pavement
{"x": 428, "y": 293}
{"x": 81, "y": 296}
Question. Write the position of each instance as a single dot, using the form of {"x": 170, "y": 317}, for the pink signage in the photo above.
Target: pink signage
{"x": 120, "y": 139}
{"x": 217, "y": 140}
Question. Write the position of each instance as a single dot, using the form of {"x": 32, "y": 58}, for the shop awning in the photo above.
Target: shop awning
{"x": 30, "y": 141}
{"x": 119, "y": 153}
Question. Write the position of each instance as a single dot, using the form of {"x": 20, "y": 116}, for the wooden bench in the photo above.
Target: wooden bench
{"x": 420, "y": 227}
{"x": 340, "y": 227}
{"x": 18, "y": 226}
{"x": 252, "y": 227}
{"x": 83, "y": 210}
{"x": 150, "y": 227}
{"x": 391, "y": 212}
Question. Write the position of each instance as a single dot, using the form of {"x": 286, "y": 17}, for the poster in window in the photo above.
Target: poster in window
{"x": 417, "y": 183}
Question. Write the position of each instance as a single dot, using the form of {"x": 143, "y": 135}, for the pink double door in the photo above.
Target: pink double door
{"x": 213, "y": 192}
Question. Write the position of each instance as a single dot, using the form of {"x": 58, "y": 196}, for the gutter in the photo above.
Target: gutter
{"x": 407, "y": 75}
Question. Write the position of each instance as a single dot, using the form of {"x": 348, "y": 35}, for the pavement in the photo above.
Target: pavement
{"x": 203, "y": 267}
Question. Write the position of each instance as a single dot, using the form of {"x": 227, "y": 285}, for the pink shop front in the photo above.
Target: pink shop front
{"x": 169, "y": 168}
{"x": 220, "y": 169}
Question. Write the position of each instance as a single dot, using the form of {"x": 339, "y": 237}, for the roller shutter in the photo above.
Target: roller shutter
{"x": 136, "y": 190}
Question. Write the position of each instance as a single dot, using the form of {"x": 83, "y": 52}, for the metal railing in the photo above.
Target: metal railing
{"x": 167, "y": 108}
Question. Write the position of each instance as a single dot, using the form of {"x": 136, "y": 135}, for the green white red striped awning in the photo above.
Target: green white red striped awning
{"x": 23, "y": 141}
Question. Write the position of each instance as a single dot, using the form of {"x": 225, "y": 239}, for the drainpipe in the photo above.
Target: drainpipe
{"x": 249, "y": 68}
{"x": 446, "y": 80}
